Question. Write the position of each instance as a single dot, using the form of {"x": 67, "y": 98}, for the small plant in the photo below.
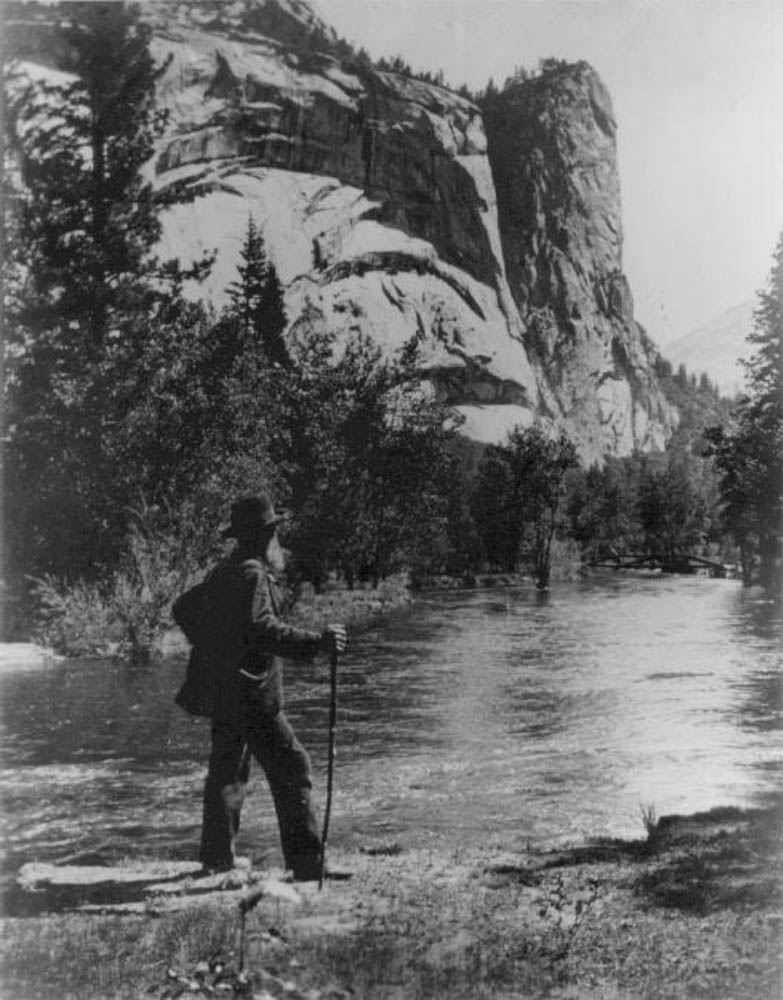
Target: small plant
{"x": 567, "y": 912}
{"x": 651, "y": 825}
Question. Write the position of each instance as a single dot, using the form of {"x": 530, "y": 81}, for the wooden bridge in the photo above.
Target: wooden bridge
{"x": 681, "y": 563}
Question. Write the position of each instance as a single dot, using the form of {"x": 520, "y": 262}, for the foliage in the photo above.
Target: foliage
{"x": 74, "y": 618}
{"x": 497, "y": 509}
{"x": 648, "y": 508}
{"x": 519, "y": 498}
{"x": 257, "y": 298}
{"x": 671, "y": 514}
{"x": 86, "y": 290}
{"x": 552, "y": 65}
{"x": 84, "y": 208}
{"x": 397, "y": 64}
{"x": 601, "y": 506}
{"x": 697, "y": 401}
{"x": 748, "y": 452}
{"x": 128, "y": 614}
{"x": 362, "y": 453}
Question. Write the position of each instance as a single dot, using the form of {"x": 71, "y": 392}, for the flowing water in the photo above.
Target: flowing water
{"x": 493, "y": 717}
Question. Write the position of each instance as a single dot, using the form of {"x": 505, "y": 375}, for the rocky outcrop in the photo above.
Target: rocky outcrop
{"x": 553, "y": 154}
{"x": 389, "y": 209}
{"x": 374, "y": 195}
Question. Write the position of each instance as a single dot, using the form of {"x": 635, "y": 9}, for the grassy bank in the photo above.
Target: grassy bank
{"x": 693, "y": 910}
{"x": 81, "y": 621}
{"x": 357, "y": 609}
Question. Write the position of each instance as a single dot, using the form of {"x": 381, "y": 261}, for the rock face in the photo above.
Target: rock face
{"x": 376, "y": 197}
{"x": 553, "y": 156}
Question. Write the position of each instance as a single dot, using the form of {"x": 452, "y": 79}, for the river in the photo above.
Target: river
{"x": 493, "y": 717}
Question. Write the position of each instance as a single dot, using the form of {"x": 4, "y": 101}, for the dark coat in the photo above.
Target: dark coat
{"x": 232, "y": 620}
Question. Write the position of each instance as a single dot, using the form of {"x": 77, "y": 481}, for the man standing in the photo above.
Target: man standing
{"x": 235, "y": 676}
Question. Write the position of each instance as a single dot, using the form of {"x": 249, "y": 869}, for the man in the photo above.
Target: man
{"x": 235, "y": 676}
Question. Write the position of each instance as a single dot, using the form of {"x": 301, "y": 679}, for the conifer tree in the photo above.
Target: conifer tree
{"x": 88, "y": 286}
{"x": 257, "y": 297}
{"x": 272, "y": 318}
{"x": 749, "y": 451}
{"x": 87, "y": 216}
{"x": 246, "y": 294}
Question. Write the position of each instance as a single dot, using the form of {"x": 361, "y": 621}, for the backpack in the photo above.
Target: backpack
{"x": 191, "y": 612}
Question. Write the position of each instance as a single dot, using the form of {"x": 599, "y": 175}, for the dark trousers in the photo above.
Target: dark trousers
{"x": 271, "y": 740}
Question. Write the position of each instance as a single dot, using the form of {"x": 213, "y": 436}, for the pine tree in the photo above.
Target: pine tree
{"x": 749, "y": 452}
{"x": 257, "y": 297}
{"x": 247, "y": 293}
{"x": 84, "y": 227}
{"x": 272, "y": 319}
{"x": 87, "y": 217}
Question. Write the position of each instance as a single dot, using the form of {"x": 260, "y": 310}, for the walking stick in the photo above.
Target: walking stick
{"x": 330, "y": 764}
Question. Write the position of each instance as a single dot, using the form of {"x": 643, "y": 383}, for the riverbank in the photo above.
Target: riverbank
{"x": 85, "y": 629}
{"x": 695, "y": 909}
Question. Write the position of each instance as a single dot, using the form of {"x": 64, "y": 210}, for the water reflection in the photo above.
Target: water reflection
{"x": 474, "y": 717}
{"x": 755, "y": 629}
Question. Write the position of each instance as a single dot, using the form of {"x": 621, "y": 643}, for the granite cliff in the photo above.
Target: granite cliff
{"x": 553, "y": 156}
{"x": 391, "y": 206}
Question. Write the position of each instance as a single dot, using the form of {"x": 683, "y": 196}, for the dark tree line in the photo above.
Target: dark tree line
{"x": 518, "y": 499}
{"x": 748, "y": 448}
{"x": 655, "y": 509}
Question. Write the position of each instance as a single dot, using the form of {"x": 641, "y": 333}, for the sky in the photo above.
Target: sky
{"x": 697, "y": 89}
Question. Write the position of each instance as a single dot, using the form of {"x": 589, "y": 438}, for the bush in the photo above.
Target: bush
{"x": 74, "y": 619}
{"x": 128, "y": 614}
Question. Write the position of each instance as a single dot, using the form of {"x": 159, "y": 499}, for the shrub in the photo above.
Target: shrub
{"x": 74, "y": 619}
{"x": 127, "y": 614}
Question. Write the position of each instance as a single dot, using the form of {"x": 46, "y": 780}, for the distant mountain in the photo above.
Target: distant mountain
{"x": 716, "y": 347}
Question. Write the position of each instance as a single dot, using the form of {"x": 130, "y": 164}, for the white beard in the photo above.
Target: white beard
{"x": 274, "y": 556}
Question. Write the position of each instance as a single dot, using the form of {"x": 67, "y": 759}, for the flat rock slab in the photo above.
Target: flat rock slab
{"x": 37, "y": 875}
{"x": 151, "y": 887}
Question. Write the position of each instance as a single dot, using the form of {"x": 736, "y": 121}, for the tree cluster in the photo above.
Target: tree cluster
{"x": 645, "y": 510}
{"x": 518, "y": 500}
{"x": 653, "y": 510}
{"x": 748, "y": 449}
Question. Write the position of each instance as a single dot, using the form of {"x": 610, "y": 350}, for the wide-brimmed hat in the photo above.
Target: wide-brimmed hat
{"x": 251, "y": 513}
